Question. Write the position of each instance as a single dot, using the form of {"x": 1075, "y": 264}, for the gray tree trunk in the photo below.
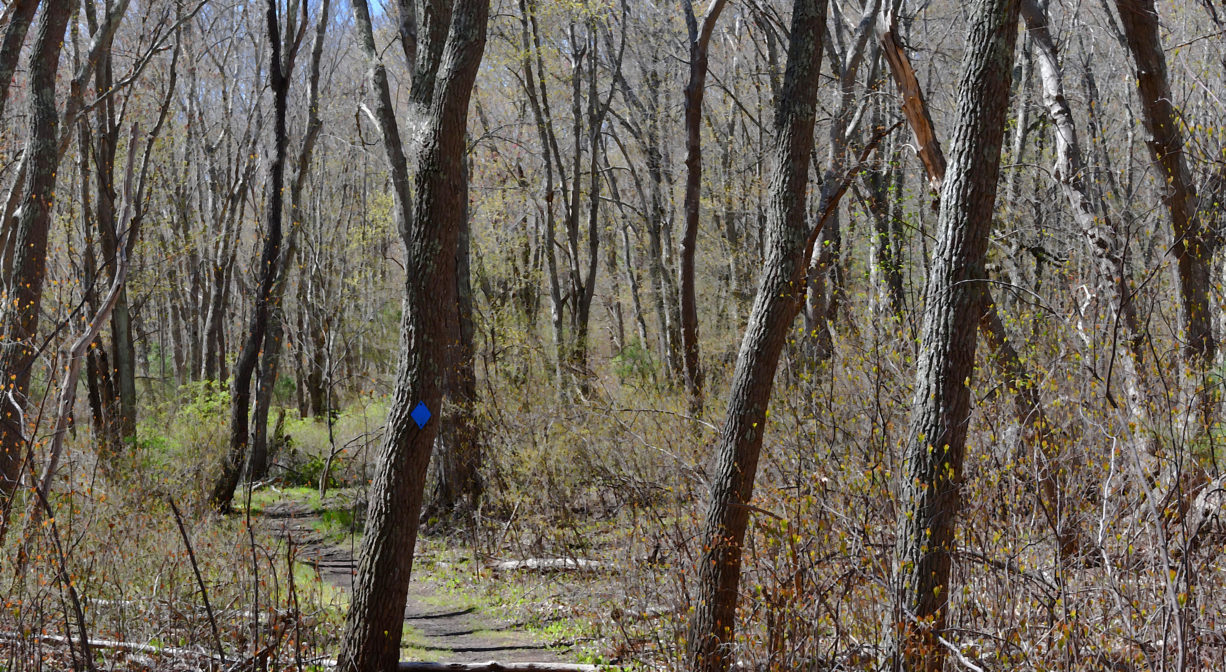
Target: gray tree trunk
{"x": 450, "y": 43}
{"x": 953, "y": 304}
{"x": 780, "y": 293}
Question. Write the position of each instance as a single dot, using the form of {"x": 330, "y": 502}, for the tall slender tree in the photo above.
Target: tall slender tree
{"x": 280, "y": 67}
{"x": 444, "y": 41}
{"x": 19, "y": 316}
{"x": 700, "y": 42}
{"x": 953, "y": 299}
{"x": 1194, "y": 243}
{"x": 780, "y": 292}
{"x": 270, "y": 357}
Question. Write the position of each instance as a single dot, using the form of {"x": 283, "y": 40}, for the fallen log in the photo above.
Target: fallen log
{"x": 107, "y": 644}
{"x": 497, "y": 667}
{"x": 550, "y": 565}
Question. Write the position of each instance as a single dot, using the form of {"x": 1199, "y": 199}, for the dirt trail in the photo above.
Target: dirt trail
{"x": 440, "y": 627}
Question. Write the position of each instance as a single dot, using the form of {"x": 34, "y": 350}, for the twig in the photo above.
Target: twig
{"x": 204, "y": 593}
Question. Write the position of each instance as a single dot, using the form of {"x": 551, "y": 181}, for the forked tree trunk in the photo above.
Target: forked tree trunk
{"x": 19, "y": 328}
{"x": 953, "y": 302}
{"x": 279, "y": 70}
{"x": 780, "y": 292}
{"x": 450, "y": 43}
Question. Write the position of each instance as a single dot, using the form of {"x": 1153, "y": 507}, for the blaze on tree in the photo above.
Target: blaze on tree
{"x": 780, "y": 291}
{"x": 953, "y": 303}
{"x": 443, "y": 41}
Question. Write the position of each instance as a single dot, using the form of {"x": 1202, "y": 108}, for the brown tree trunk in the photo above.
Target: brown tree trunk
{"x": 458, "y": 461}
{"x": 780, "y": 292}
{"x": 953, "y": 302}
{"x": 19, "y": 328}
{"x": 700, "y": 40}
{"x": 1194, "y": 246}
{"x": 451, "y": 41}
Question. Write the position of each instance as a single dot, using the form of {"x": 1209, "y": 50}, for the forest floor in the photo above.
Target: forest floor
{"x": 446, "y": 620}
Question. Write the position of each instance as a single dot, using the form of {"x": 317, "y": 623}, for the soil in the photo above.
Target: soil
{"x": 441, "y": 627}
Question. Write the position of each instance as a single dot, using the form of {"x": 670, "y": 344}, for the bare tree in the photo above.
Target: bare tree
{"x": 780, "y": 291}
{"x": 19, "y": 319}
{"x": 700, "y": 41}
{"x": 444, "y": 51}
{"x": 953, "y": 298}
{"x": 1194, "y": 244}
{"x": 281, "y": 66}
{"x": 270, "y": 357}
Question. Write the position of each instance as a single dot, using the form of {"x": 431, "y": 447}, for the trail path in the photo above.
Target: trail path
{"x": 441, "y": 627}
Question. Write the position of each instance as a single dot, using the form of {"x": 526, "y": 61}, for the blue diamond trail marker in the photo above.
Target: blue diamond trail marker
{"x": 420, "y": 414}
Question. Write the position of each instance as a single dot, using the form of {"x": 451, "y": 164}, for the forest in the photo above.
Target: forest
{"x": 577, "y": 335}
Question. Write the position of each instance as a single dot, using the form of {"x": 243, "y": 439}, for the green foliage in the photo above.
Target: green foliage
{"x": 179, "y": 443}
{"x": 284, "y": 390}
{"x": 635, "y": 362}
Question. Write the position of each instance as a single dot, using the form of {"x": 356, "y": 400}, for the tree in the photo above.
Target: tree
{"x": 19, "y": 320}
{"x": 700, "y": 40}
{"x": 281, "y": 66}
{"x": 270, "y": 357}
{"x": 444, "y": 52}
{"x": 20, "y": 15}
{"x": 790, "y": 242}
{"x": 953, "y": 298}
{"x": 1194, "y": 243}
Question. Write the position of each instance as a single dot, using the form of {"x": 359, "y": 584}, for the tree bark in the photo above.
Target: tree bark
{"x": 780, "y": 292}
{"x": 451, "y": 41}
{"x": 953, "y": 298}
{"x": 458, "y": 462}
{"x": 19, "y": 325}
{"x": 700, "y": 40}
{"x": 22, "y": 15}
{"x": 1194, "y": 245}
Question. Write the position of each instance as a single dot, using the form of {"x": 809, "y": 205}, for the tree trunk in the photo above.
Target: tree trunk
{"x": 780, "y": 292}
{"x": 270, "y": 358}
{"x": 458, "y": 463}
{"x": 700, "y": 40}
{"x": 119, "y": 406}
{"x": 10, "y": 49}
{"x": 19, "y": 329}
{"x": 953, "y": 298}
{"x": 1194, "y": 246}
{"x": 279, "y": 71}
{"x": 450, "y": 44}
